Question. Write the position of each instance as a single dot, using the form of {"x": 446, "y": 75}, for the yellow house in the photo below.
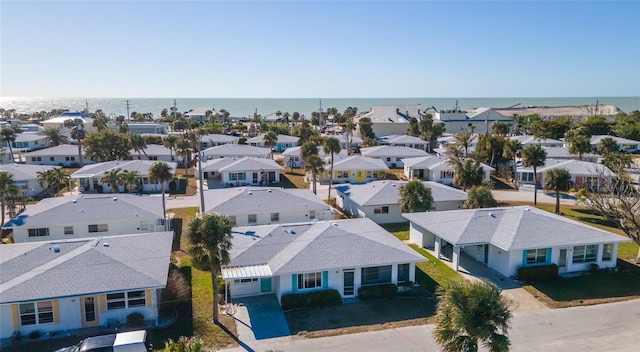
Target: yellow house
{"x": 353, "y": 169}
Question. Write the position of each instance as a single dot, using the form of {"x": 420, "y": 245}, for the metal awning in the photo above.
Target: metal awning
{"x": 243, "y": 272}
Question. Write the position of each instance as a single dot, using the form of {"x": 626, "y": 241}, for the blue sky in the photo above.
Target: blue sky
{"x": 332, "y": 49}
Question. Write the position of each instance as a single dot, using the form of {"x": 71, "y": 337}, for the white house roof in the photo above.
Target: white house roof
{"x": 295, "y": 151}
{"x": 358, "y": 163}
{"x": 282, "y": 138}
{"x": 219, "y": 138}
{"x": 343, "y": 138}
{"x": 24, "y": 172}
{"x": 240, "y": 164}
{"x": 29, "y": 137}
{"x": 243, "y": 200}
{"x": 597, "y": 139}
{"x": 318, "y": 246}
{"x": 528, "y": 140}
{"x": 99, "y": 169}
{"x": 153, "y": 149}
{"x": 401, "y": 139}
{"x": 236, "y": 150}
{"x": 200, "y": 112}
{"x": 435, "y": 163}
{"x": 388, "y": 192}
{"x": 451, "y": 139}
{"x": 510, "y": 228}
{"x": 563, "y": 153}
{"x": 61, "y": 150}
{"x": 88, "y": 208}
{"x": 391, "y": 151}
{"x": 69, "y": 116}
{"x": 52, "y": 269}
{"x": 391, "y": 113}
{"x": 575, "y": 167}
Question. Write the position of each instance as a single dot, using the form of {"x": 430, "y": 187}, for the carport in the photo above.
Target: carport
{"x": 249, "y": 280}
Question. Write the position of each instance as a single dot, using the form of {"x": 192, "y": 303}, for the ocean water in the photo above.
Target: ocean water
{"x": 241, "y": 107}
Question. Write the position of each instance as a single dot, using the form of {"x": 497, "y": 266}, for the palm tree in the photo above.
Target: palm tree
{"x": 210, "y": 236}
{"x": 471, "y": 312}
{"x": 170, "y": 143}
{"x": 415, "y": 197}
{"x": 331, "y": 146}
{"x": 61, "y": 178}
{"x": 307, "y": 149}
{"x": 9, "y": 136}
{"x": 8, "y": 187}
{"x": 512, "y": 149}
{"x": 46, "y": 177}
{"x": 314, "y": 164}
{"x": 77, "y": 133}
{"x": 557, "y": 180}
{"x": 270, "y": 140}
{"x": 138, "y": 143}
{"x": 160, "y": 172}
{"x": 608, "y": 145}
{"x": 464, "y": 140}
{"x": 113, "y": 178}
{"x": 467, "y": 174}
{"x": 579, "y": 145}
{"x": 55, "y": 136}
{"x": 534, "y": 156}
{"x": 131, "y": 180}
{"x": 183, "y": 150}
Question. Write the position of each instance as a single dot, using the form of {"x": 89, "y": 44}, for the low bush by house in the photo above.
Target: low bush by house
{"x": 378, "y": 291}
{"x": 311, "y": 299}
{"x": 538, "y": 272}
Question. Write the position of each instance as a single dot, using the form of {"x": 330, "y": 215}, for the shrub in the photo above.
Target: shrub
{"x": 177, "y": 290}
{"x": 367, "y": 293}
{"x": 311, "y": 299}
{"x": 35, "y": 334}
{"x": 135, "y": 320}
{"x": 593, "y": 268}
{"x": 184, "y": 344}
{"x": 538, "y": 272}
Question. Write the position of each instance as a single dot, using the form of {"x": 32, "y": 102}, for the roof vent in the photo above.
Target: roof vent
{"x": 292, "y": 231}
{"x": 249, "y": 193}
{"x": 491, "y": 214}
{"x": 74, "y": 201}
{"x": 56, "y": 249}
{"x": 527, "y": 209}
{"x": 335, "y": 224}
{"x": 115, "y": 198}
{"x": 105, "y": 244}
{"x": 269, "y": 190}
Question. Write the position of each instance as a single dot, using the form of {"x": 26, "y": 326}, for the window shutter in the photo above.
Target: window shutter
{"x": 14, "y": 311}
{"x": 548, "y": 258}
{"x": 147, "y": 294}
{"x": 102, "y": 305}
{"x": 229, "y": 176}
{"x": 56, "y": 312}
{"x": 294, "y": 282}
{"x": 325, "y": 279}
{"x": 524, "y": 257}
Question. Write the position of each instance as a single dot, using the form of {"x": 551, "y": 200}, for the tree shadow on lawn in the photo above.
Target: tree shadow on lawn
{"x": 360, "y": 316}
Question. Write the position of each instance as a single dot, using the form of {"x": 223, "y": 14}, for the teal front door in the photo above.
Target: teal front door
{"x": 265, "y": 284}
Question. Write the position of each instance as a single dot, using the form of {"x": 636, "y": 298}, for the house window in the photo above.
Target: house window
{"x": 41, "y": 232}
{"x": 152, "y": 157}
{"x": 51, "y": 158}
{"x": 585, "y": 254}
{"x": 312, "y": 214}
{"x": 145, "y": 180}
{"x": 607, "y": 251}
{"x": 144, "y": 225}
{"x": 537, "y": 256}
{"x": 255, "y": 177}
{"x": 245, "y": 281}
{"x": 275, "y": 216}
{"x": 446, "y": 174}
{"x": 372, "y": 174}
{"x": 68, "y": 230}
{"x": 236, "y": 176}
{"x": 310, "y": 280}
{"x": 388, "y": 159}
{"x": 376, "y": 275}
{"x": 33, "y": 158}
{"x": 98, "y": 228}
{"x": 69, "y": 158}
{"x": 343, "y": 174}
{"x": 123, "y": 300}
{"x": 403, "y": 272}
{"x": 382, "y": 210}
{"x": 232, "y": 220}
{"x": 36, "y": 313}
{"x": 253, "y": 218}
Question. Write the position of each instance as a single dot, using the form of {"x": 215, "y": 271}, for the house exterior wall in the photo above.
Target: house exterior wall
{"x": 21, "y": 234}
{"x": 393, "y": 216}
{"x": 284, "y": 217}
{"x": 57, "y": 160}
{"x": 364, "y": 178}
{"x": 227, "y": 179}
{"x": 421, "y": 237}
{"x": 90, "y": 184}
{"x": 296, "y": 163}
{"x": 385, "y": 129}
{"x": 68, "y": 314}
{"x": 448, "y": 205}
{"x": 165, "y": 158}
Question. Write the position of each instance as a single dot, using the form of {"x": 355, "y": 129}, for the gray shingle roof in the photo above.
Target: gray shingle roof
{"x": 391, "y": 151}
{"x": 61, "y": 150}
{"x": 295, "y": 151}
{"x": 319, "y": 246}
{"x": 24, "y": 172}
{"x": 227, "y": 150}
{"x": 29, "y": 137}
{"x": 510, "y": 228}
{"x": 84, "y": 266}
{"x": 575, "y": 167}
{"x": 250, "y": 164}
{"x": 153, "y": 149}
{"x": 619, "y": 140}
{"x": 99, "y": 169}
{"x": 250, "y": 200}
{"x": 388, "y": 192}
{"x": 89, "y": 209}
{"x": 282, "y": 138}
{"x": 401, "y": 139}
{"x": 358, "y": 163}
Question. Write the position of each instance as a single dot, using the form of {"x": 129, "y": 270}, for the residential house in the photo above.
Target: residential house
{"x": 58, "y": 121}
{"x": 451, "y": 139}
{"x": 202, "y": 114}
{"x": 89, "y": 177}
{"x": 214, "y": 140}
{"x": 436, "y": 168}
{"x": 478, "y": 120}
{"x": 344, "y": 255}
{"x": 247, "y": 206}
{"x": 25, "y": 143}
{"x": 148, "y": 127}
{"x": 293, "y": 159}
{"x": 236, "y": 151}
{"x": 65, "y": 155}
{"x": 284, "y": 142}
{"x": 26, "y": 177}
{"x": 52, "y": 287}
{"x": 533, "y": 140}
{"x": 564, "y": 154}
{"x": 506, "y": 239}
{"x": 354, "y": 169}
{"x": 392, "y": 156}
{"x": 379, "y": 200}
{"x": 390, "y": 119}
{"x": 87, "y": 215}
{"x": 342, "y": 138}
{"x": 583, "y": 173}
{"x": 624, "y": 144}
{"x": 404, "y": 141}
{"x": 156, "y": 152}
{"x": 232, "y": 172}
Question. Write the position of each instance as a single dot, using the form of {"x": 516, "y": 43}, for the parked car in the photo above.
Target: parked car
{"x": 131, "y": 341}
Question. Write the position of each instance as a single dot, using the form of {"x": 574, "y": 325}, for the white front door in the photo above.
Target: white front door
{"x": 348, "y": 288}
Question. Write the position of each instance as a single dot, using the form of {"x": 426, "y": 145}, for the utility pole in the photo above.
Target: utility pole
{"x": 86, "y": 107}
{"x": 175, "y": 111}
{"x": 320, "y": 114}
{"x": 128, "y": 116}
{"x": 201, "y": 181}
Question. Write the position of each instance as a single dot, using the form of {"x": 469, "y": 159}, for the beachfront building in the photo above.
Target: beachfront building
{"x": 234, "y": 172}
{"x": 436, "y": 168}
{"x": 392, "y": 156}
{"x": 404, "y": 141}
{"x": 65, "y": 155}
{"x": 89, "y": 177}
{"x": 478, "y": 120}
{"x": 354, "y": 169}
{"x": 154, "y": 128}
{"x": 284, "y": 142}
{"x": 58, "y": 121}
{"x": 390, "y": 119}
{"x": 203, "y": 114}
{"x": 292, "y": 157}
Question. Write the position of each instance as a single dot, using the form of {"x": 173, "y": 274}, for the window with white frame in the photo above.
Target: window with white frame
{"x": 446, "y": 174}
{"x": 36, "y": 313}
{"x": 275, "y": 216}
{"x": 312, "y": 214}
{"x": 236, "y": 176}
{"x": 607, "y": 252}
{"x": 51, "y": 158}
{"x": 376, "y": 275}
{"x": 41, "y": 232}
{"x": 585, "y": 254}
{"x": 310, "y": 280}
{"x": 68, "y": 230}
{"x": 403, "y": 272}
{"x": 144, "y": 225}
{"x": 537, "y": 256}
{"x": 381, "y": 210}
{"x": 343, "y": 174}
{"x": 98, "y": 228}
{"x": 123, "y": 300}
{"x": 253, "y": 218}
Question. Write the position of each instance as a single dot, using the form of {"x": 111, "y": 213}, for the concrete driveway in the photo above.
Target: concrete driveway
{"x": 258, "y": 318}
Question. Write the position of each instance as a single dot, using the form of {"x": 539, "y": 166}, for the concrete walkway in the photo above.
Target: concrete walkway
{"x": 259, "y": 318}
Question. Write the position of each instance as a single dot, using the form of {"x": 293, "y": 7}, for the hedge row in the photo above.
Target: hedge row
{"x": 311, "y": 299}
{"x": 378, "y": 291}
{"x": 538, "y": 272}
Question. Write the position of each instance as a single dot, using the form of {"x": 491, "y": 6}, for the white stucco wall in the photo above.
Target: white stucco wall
{"x": 80, "y": 230}
{"x": 242, "y": 219}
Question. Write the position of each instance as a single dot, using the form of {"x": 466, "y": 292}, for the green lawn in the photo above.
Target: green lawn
{"x": 433, "y": 273}
{"x": 293, "y": 180}
{"x": 400, "y": 230}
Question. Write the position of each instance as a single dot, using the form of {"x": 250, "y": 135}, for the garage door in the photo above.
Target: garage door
{"x": 245, "y": 287}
